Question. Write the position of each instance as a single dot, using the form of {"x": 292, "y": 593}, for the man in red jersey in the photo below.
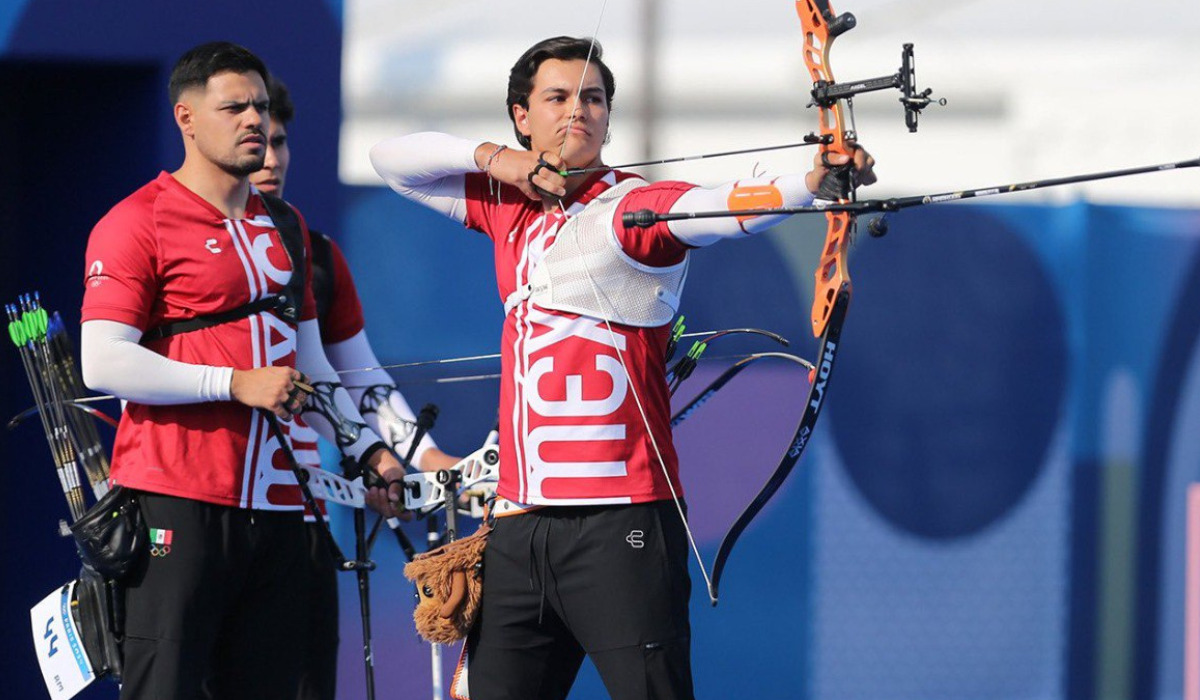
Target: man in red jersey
{"x": 383, "y": 407}
{"x": 588, "y": 471}
{"x": 191, "y": 315}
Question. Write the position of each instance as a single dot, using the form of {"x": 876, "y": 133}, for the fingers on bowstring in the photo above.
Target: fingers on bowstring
{"x": 545, "y": 176}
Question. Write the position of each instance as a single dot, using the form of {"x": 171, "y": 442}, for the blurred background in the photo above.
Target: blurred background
{"x": 994, "y": 503}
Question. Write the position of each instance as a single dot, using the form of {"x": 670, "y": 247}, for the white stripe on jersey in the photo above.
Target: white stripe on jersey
{"x": 254, "y": 437}
{"x": 253, "y": 445}
{"x": 244, "y": 256}
{"x": 260, "y": 443}
{"x": 535, "y": 245}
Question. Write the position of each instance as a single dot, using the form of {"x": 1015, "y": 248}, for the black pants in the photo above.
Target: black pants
{"x": 219, "y": 612}
{"x": 318, "y": 680}
{"x": 608, "y": 581}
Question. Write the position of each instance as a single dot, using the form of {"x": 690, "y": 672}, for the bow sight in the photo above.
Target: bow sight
{"x": 826, "y": 94}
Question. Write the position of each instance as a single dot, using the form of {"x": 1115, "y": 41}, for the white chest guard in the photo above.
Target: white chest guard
{"x": 585, "y": 271}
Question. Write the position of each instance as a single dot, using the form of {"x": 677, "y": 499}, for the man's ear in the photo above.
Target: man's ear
{"x": 185, "y": 113}
{"x": 521, "y": 119}
{"x": 183, "y": 118}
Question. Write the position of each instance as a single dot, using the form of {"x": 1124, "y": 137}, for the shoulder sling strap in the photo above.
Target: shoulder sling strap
{"x": 287, "y": 303}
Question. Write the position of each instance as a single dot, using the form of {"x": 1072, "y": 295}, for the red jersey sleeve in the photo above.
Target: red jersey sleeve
{"x": 654, "y": 246}
{"x": 121, "y": 273}
{"x": 308, "y": 310}
{"x": 484, "y": 196}
{"x": 344, "y": 319}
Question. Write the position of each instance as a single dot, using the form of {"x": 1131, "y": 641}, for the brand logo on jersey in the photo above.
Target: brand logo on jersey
{"x": 211, "y": 246}
{"x": 96, "y": 274}
{"x": 634, "y": 538}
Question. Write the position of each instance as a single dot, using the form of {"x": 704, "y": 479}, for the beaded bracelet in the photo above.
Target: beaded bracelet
{"x": 487, "y": 167}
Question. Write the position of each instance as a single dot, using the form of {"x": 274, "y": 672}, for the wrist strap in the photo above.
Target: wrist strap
{"x": 487, "y": 167}
{"x": 367, "y": 454}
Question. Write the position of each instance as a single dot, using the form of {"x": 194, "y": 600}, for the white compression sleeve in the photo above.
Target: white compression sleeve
{"x": 113, "y": 362}
{"x": 378, "y": 399}
{"x": 330, "y": 411}
{"x": 702, "y": 232}
{"x": 428, "y": 168}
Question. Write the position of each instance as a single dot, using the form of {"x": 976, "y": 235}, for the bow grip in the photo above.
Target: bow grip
{"x": 837, "y": 183}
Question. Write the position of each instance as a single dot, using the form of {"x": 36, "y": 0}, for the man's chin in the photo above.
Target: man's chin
{"x": 244, "y": 167}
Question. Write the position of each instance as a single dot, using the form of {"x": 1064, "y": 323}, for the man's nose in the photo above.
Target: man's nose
{"x": 255, "y": 118}
{"x": 578, "y": 113}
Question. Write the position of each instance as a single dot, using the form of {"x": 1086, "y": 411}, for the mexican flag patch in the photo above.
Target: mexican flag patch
{"x": 158, "y": 536}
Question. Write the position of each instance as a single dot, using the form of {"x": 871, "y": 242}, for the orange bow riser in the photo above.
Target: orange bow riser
{"x": 821, "y": 27}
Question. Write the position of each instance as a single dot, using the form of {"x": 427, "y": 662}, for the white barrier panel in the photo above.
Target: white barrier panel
{"x": 65, "y": 666}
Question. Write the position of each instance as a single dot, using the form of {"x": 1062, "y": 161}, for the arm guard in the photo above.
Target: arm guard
{"x": 330, "y": 410}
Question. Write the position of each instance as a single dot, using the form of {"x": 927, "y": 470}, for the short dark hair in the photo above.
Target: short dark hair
{"x": 563, "y": 48}
{"x": 282, "y": 109}
{"x": 199, "y": 63}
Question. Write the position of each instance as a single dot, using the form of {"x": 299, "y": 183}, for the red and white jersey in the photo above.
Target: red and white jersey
{"x": 570, "y": 428}
{"x": 164, "y": 254}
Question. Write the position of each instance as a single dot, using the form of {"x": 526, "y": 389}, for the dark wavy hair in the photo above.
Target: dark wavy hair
{"x": 199, "y": 63}
{"x": 563, "y": 48}
{"x": 282, "y": 109}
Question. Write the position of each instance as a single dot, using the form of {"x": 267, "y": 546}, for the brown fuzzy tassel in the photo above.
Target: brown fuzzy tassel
{"x": 449, "y": 587}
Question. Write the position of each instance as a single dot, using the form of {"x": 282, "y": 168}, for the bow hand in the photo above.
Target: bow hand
{"x": 833, "y": 177}
{"x": 386, "y": 495}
